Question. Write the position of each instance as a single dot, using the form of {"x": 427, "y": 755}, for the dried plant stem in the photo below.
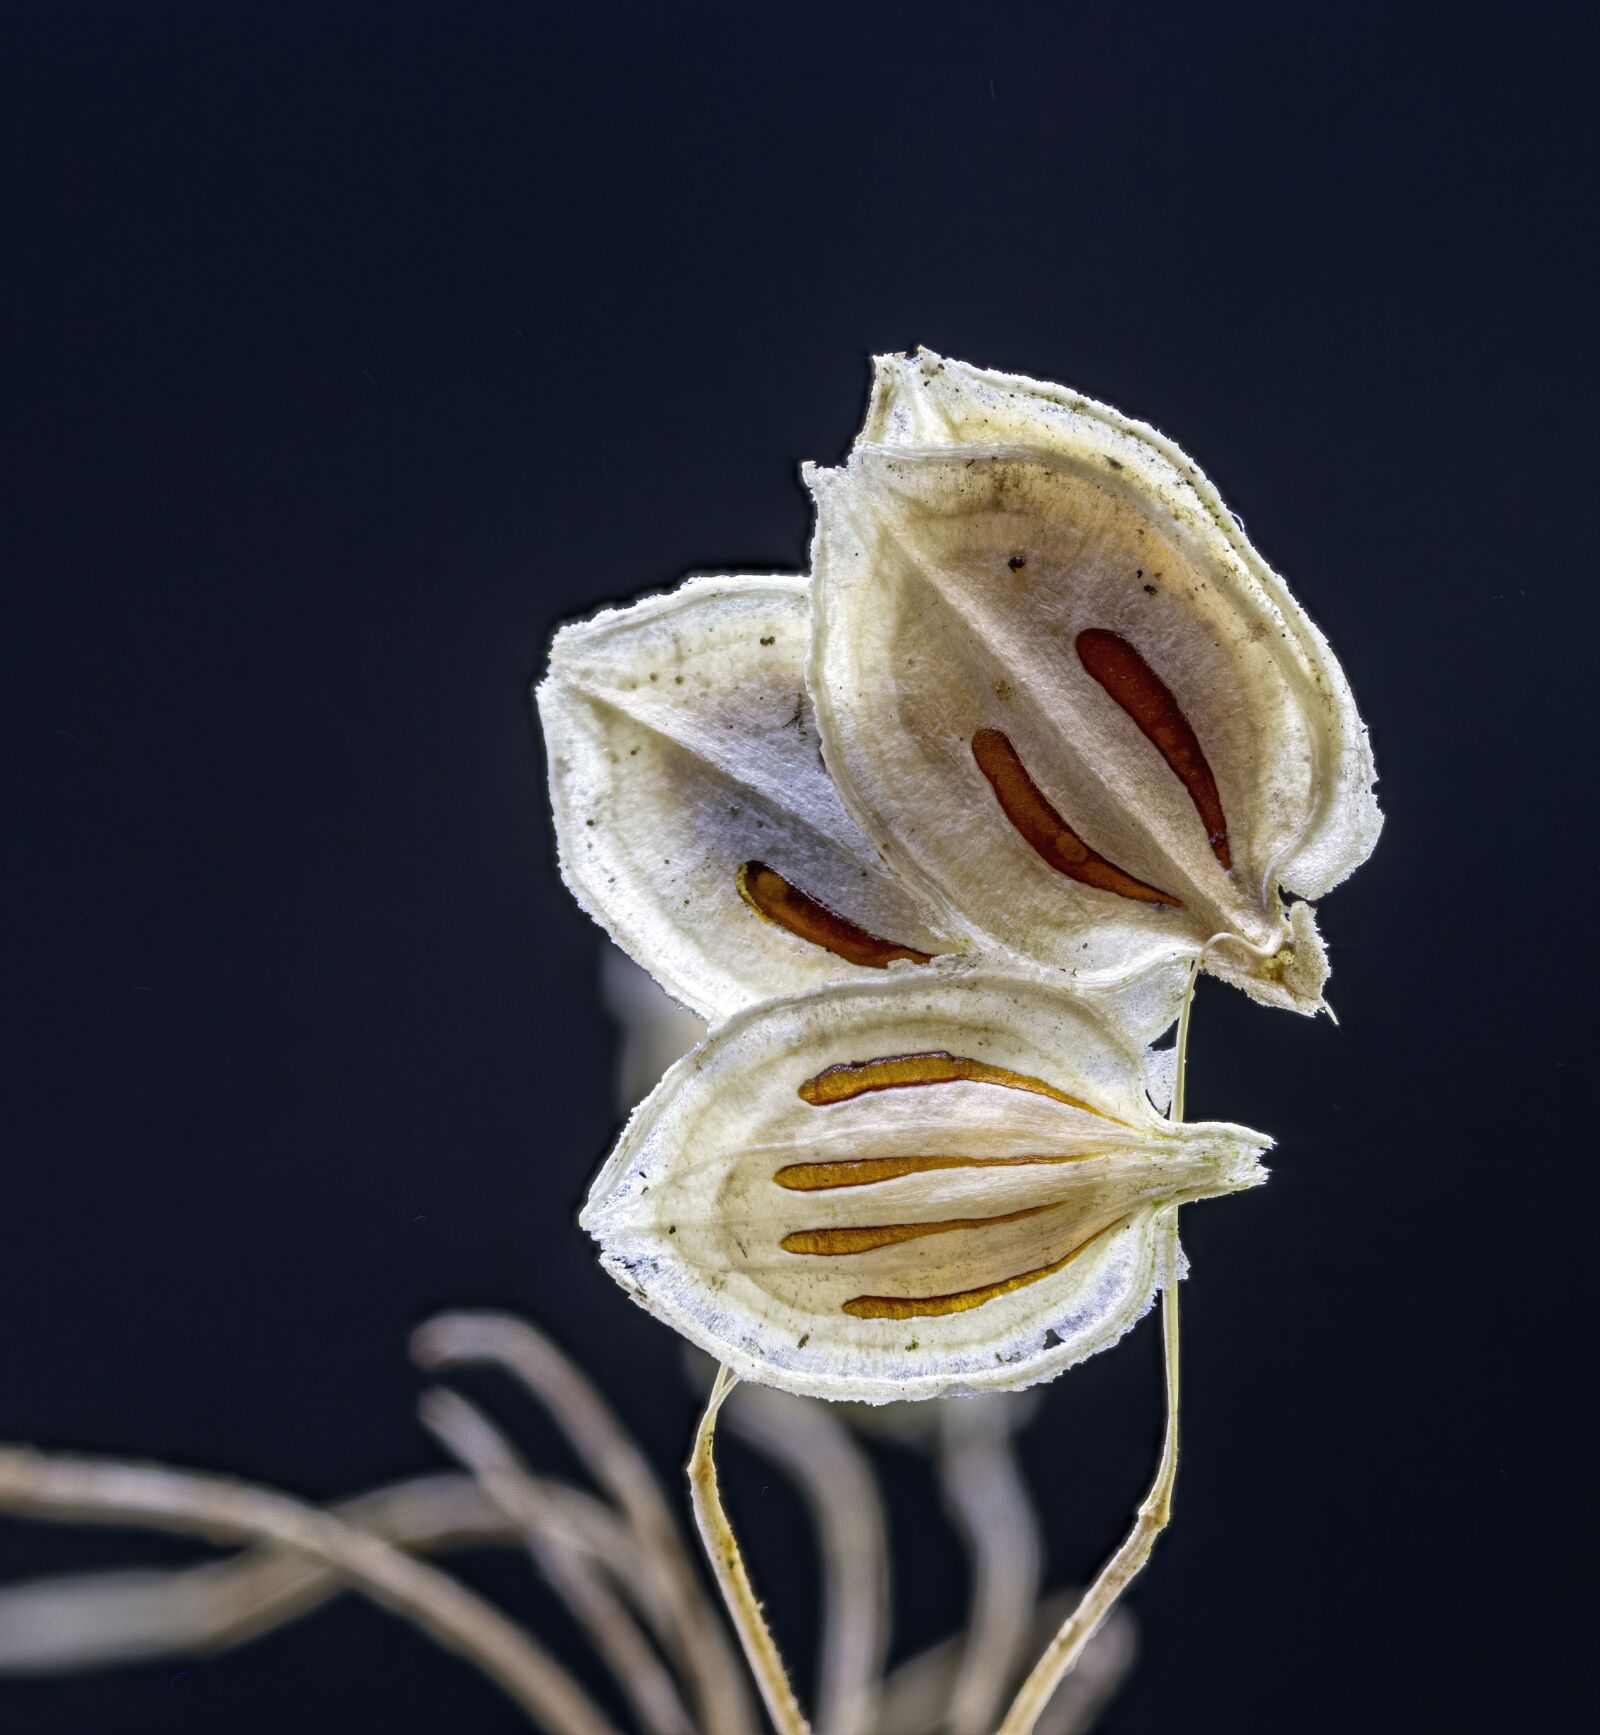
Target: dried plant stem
{"x": 1154, "y": 1514}
{"x": 841, "y": 1495}
{"x": 1118, "y": 1572}
{"x": 722, "y": 1549}
{"x": 99, "y": 1619}
{"x": 1180, "y": 1077}
{"x": 698, "y": 1640}
{"x": 987, "y": 1498}
{"x": 473, "y": 1439}
{"x": 918, "y": 1694}
{"x": 97, "y": 1490}
{"x": 1101, "y": 1670}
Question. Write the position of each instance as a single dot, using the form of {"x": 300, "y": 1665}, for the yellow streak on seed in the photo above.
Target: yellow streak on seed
{"x": 889, "y": 1234}
{"x": 931, "y": 1306}
{"x": 853, "y": 1078}
{"x": 864, "y": 1171}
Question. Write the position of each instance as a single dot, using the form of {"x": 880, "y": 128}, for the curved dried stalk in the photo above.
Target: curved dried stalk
{"x": 985, "y": 1495}
{"x": 95, "y": 1490}
{"x": 468, "y": 1435}
{"x": 841, "y": 1494}
{"x": 722, "y": 1549}
{"x": 699, "y": 1644}
{"x": 918, "y": 1694}
{"x": 100, "y": 1619}
{"x": 1101, "y": 1670}
{"x": 1155, "y": 1512}
{"x": 1123, "y": 1567}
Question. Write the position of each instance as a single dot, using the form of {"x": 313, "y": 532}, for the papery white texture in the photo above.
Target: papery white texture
{"x": 997, "y": 560}
{"x": 682, "y": 747}
{"x": 1012, "y": 1154}
{"x": 656, "y": 1030}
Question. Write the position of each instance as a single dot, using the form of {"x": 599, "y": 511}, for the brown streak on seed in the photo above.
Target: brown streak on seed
{"x": 1045, "y": 831}
{"x": 772, "y": 897}
{"x": 851, "y": 1078}
{"x": 836, "y": 1242}
{"x": 1147, "y": 699}
{"x": 962, "y": 1300}
{"x": 868, "y": 1171}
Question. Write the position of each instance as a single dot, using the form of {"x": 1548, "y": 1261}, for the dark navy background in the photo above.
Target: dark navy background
{"x": 349, "y": 348}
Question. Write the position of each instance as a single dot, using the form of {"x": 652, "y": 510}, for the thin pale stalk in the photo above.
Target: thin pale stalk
{"x": 986, "y": 1496}
{"x": 727, "y": 1563}
{"x": 1103, "y": 1667}
{"x": 1153, "y": 1515}
{"x": 99, "y": 1619}
{"x": 97, "y": 1490}
{"x": 699, "y": 1642}
{"x": 917, "y": 1694}
{"x": 1180, "y": 1077}
{"x": 470, "y": 1437}
{"x": 841, "y": 1495}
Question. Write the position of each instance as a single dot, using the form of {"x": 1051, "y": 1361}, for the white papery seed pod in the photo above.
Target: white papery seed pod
{"x": 1063, "y": 694}
{"x": 944, "y": 1180}
{"x": 697, "y": 822}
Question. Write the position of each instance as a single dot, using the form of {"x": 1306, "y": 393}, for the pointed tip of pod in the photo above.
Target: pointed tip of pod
{"x": 1292, "y": 978}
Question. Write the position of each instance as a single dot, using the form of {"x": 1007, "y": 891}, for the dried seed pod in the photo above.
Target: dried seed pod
{"x": 694, "y": 816}
{"x": 930, "y": 1182}
{"x": 1061, "y": 691}
{"x": 697, "y": 823}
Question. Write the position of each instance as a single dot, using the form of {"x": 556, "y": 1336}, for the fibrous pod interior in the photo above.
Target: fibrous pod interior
{"x": 947, "y": 1180}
